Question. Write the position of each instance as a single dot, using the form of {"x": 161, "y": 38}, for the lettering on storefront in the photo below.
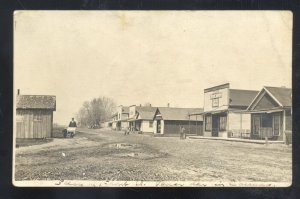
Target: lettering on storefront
{"x": 215, "y": 98}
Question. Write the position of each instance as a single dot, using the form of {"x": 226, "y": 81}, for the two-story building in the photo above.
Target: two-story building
{"x": 141, "y": 118}
{"x": 225, "y": 111}
{"x": 120, "y": 118}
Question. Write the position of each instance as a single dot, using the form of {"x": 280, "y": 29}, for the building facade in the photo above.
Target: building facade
{"x": 34, "y": 116}
{"x": 271, "y": 114}
{"x": 225, "y": 112}
{"x": 120, "y": 118}
{"x": 168, "y": 120}
{"x": 141, "y": 118}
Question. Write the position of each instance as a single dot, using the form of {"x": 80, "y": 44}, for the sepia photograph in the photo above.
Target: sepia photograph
{"x": 152, "y": 98}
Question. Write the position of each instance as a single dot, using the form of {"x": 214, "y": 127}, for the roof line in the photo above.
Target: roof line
{"x": 242, "y": 90}
{"x": 254, "y": 99}
{"x": 37, "y": 95}
{"x": 272, "y": 96}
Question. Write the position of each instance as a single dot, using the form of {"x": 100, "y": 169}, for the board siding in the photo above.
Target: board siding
{"x": 192, "y": 127}
{"x": 34, "y": 123}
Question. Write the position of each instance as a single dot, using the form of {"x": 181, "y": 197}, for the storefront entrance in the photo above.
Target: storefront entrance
{"x": 215, "y": 125}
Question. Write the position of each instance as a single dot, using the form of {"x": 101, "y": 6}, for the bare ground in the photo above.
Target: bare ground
{"x": 109, "y": 155}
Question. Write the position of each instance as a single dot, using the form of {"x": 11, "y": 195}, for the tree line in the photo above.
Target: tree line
{"x": 95, "y": 111}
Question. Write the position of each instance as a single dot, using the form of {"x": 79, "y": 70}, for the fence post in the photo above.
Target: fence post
{"x": 266, "y": 139}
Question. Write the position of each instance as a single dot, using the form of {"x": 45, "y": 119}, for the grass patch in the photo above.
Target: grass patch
{"x": 23, "y": 142}
{"x": 57, "y": 131}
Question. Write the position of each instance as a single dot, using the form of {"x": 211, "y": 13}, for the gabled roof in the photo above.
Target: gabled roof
{"x": 282, "y": 96}
{"x": 170, "y": 113}
{"x": 145, "y": 108}
{"x": 241, "y": 97}
{"x": 36, "y": 102}
{"x": 146, "y": 112}
{"x": 125, "y": 109}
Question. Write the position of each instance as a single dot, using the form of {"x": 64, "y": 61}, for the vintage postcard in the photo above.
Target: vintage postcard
{"x": 152, "y": 98}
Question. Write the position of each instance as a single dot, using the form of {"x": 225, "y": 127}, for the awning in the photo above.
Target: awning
{"x": 133, "y": 119}
{"x": 267, "y": 111}
{"x": 215, "y": 112}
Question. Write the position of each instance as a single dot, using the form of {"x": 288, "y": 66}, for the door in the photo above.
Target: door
{"x": 158, "y": 127}
{"x": 38, "y": 126}
{"x": 215, "y": 126}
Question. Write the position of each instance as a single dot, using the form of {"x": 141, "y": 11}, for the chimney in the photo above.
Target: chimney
{"x": 168, "y": 104}
{"x": 18, "y": 92}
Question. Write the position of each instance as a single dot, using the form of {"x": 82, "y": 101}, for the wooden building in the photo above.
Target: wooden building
{"x": 271, "y": 114}
{"x": 167, "y": 121}
{"x": 34, "y": 116}
{"x": 119, "y": 119}
{"x": 225, "y": 112}
{"x": 141, "y": 118}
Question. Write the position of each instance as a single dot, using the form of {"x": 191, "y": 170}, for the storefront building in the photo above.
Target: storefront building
{"x": 225, "y": 112}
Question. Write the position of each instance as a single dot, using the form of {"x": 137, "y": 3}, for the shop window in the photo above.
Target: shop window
{"x": 208, "y": 123}
{"x": 223, "y": 123}
{"x": 256, "y": 124}
{"x": 215, "y": 102}
{"x": 266, "y": 120}
{"x": 276, "y": 125}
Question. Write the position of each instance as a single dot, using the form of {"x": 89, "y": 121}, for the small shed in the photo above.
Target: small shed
{"x": 34, "y": 116}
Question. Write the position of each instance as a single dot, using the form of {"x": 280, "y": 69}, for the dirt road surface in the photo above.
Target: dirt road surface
{"x": 109, "y": 155}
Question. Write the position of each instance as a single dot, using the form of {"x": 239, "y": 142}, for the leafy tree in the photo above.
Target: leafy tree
{"x": 95, "y": 111}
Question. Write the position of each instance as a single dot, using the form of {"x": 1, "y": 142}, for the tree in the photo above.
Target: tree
{"x": 95, "y": 111}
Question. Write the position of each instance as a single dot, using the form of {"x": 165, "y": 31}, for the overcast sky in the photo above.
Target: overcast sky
{"x": 159, "y": 57}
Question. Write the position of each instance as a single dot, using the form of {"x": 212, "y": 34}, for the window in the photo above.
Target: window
{"x": 276, "y": 125}
{"x": 223, "y": 123}
{"x": 256, "y": 124}
{"x": 208, "y": 123}
{"x": 215, "y": 102}
{"x": 266, "y": 120}
{"x": 151, "y": 124}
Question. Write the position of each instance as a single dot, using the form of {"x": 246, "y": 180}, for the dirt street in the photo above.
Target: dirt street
{"x": 109, "y": 155}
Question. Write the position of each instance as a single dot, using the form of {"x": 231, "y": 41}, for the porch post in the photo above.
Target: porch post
{"x": 283, "y": 127}
{"x": 227, "y": 123}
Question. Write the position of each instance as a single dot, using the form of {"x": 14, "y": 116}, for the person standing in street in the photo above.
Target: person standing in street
{"x": 72, "y": 123}
{"x": 182, "y": 133}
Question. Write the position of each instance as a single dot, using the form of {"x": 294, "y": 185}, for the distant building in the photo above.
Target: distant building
{"x": 119, "y": 119}
{"x": 141, "y": 118}
{"x": 271, "y": 113}
{"x": 168, "y": 120}
{"x": 225, "y": 111}
{"x": 34, "y": 116}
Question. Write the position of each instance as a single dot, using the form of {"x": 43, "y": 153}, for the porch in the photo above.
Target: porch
{"x": 238, "y": 140}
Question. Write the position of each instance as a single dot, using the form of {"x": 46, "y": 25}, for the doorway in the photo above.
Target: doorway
{"x": 158, "y": 127}
{"x": 215, "y": 125}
